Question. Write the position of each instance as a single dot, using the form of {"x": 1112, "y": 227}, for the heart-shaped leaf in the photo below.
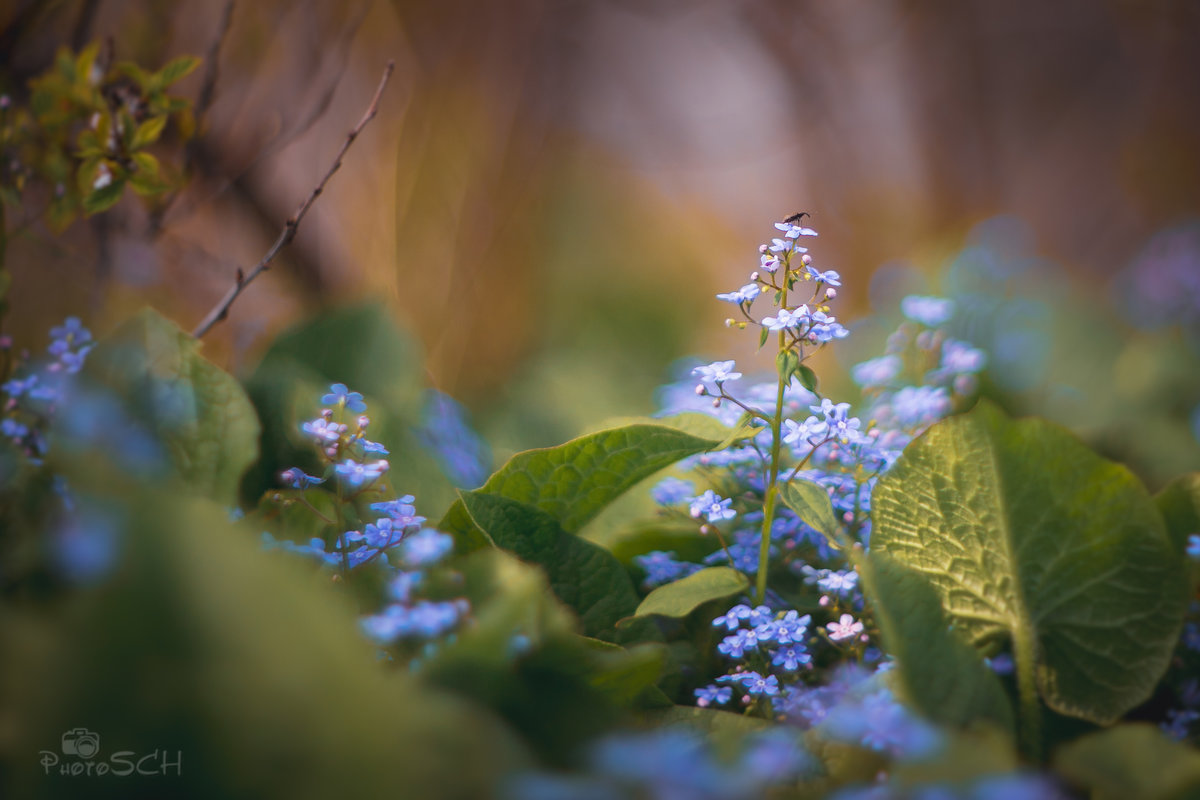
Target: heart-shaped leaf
{"x": 197, "y": 410}
{"x": 1026, "y": 535}
{"x": 584, "y": 575}
{"x": 574, "y": 481}
{"x": 937, "y": 671}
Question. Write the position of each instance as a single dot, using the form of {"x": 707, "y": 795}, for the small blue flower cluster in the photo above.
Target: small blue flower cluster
{"x": 782, "y": 663}
{"x": 673, "y": 763}
{"x": 32, "y": 399}
{"x": 396, "y": 540}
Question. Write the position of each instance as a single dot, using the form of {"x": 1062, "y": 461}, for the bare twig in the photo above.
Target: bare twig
{"x": 290, "y": 227}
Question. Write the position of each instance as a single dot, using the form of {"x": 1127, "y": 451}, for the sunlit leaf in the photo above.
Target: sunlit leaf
{"x": 1023, "y": 531}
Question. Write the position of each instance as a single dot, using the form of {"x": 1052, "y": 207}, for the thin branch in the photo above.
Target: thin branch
{"x": 290, "y": 227}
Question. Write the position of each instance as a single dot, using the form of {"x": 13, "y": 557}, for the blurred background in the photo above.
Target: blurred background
{"x": 554, "y": 190}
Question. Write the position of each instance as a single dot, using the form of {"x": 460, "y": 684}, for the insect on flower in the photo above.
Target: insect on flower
{"x": 796, "y": 218}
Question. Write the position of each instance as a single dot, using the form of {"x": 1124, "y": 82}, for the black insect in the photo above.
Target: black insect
{"x": 795, "y": 219}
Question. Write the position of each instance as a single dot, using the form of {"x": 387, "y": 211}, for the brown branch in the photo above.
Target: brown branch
{"x": 290, "y": 227}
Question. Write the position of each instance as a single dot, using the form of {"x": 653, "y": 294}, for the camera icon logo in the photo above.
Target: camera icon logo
{"x": 80, "y": 742}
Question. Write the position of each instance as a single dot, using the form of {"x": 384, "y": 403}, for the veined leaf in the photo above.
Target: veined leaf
{"x": 574, "y": 481}
{"x": 583, "y": 575}
{"x": 938, "y": 672}
{"x": 1024, "y": 533}
{"x": 197, "y": 410}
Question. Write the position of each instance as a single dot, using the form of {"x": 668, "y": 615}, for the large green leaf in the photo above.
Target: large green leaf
{"x": 583, "y": 575}
{"x": 1027, "y": 535}
{"x": 1131, "y": 761}
{"x": 574, "y": 481}
{"x": 939, "y": 673}
{"x": 360, "y": 346}
{"x": 682, "y": 597}
{"x": 197, "y": 410}
{"x": 245, "y": 663}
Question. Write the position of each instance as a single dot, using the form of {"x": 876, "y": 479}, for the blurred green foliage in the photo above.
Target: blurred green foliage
{"x": 87, "y": 133}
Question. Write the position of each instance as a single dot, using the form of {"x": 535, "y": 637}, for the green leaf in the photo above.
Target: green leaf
{"x": 787, "y": 362}
{"x": 522, "y": 659}
{"x": 148, "y": 132}
{"x": 812, "y": 504}
{"x": 682, "y": 597}
{"x": 808, "y": 378}
{"x": 197, "y": 410}
{"x": 360, "y": 346}
{"x": 1128, "y": 761}
{"x": 938, "y": 672}
{"x": 573, "y": 482}
{"x": 244, "y": 663}
{"x": 583, "y": 575}
{"x": 364, "y": 348}
{"x": 105, "y": 197}
{"x": 1179, "y": 503}
{"x": 710, "y": 721}
{"x": 146, "y": 180}
{"x": 1024, "y": 532}
{"x": 174, "y": 70}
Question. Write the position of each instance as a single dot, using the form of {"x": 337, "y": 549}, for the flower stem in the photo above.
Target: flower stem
{"x": 771, "y": 492}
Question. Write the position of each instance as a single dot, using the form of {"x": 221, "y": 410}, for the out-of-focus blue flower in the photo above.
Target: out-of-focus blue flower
{"x": 876, "y": 372}
{"x": 86, "y": 545}
{"x": 1001, "y": 664}
{"x": 424, "y": 620}
{"x": 662, "y": 567}
{"x": 916, "y": 406}
{"x": 447, "y": 433}
{"x": 672, "y": 491}
{"x": 426, "y": 547}
{"x": 1193, "y": 546}
{"x": 15, "y": 387}
{"x": 71, "y": 332}
{"x": 877, "y": 721}
{"x": 13, "y": 429}
{"x": 1179, "y": 722}
{"x": 931, "y": 311}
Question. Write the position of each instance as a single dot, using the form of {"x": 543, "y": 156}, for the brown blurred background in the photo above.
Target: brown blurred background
{"x": 554, "y": 190}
